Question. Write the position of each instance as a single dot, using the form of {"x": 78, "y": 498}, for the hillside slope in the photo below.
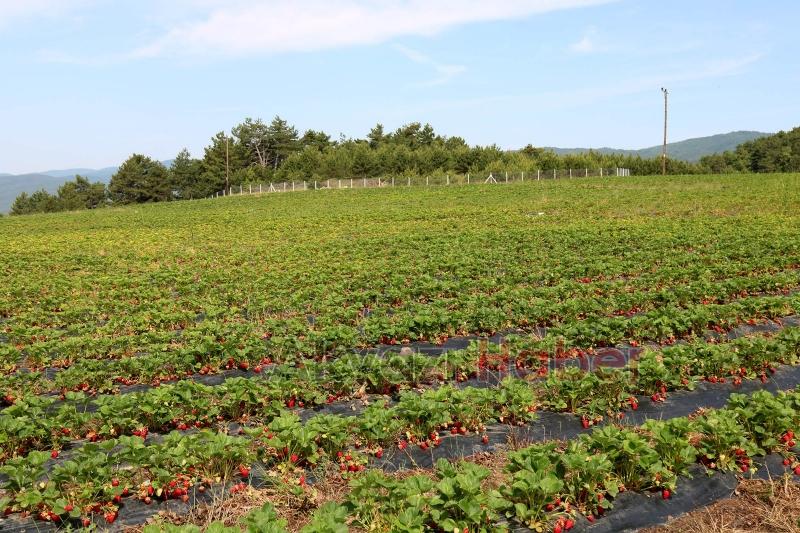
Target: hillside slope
{"x": 688, "y": 150}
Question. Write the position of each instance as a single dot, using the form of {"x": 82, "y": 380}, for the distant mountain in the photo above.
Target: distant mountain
{"x": 689, "y": 150}
{"x": 12, "y": 185}
{"x": 103, "y": 174}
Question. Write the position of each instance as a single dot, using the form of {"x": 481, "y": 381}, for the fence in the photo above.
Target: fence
{"x": 417, "y": 181}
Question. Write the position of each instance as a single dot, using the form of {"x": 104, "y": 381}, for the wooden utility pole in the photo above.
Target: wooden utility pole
{"x": 664, "y": 148}
{"x": 227, "y": 165}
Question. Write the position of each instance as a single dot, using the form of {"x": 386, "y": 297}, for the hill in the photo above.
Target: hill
{"x": 691, "y": 150}
{"x": 12, "y": 185}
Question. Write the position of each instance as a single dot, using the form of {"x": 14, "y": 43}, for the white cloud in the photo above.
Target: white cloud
{"x": 444, "y": 73}
{"x": 238, "y": 27}
{"x": 13, "y": 10}
{"x": 587, "y": 44}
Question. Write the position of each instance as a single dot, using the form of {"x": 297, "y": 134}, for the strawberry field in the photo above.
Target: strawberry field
{"x": 488, "y": 358}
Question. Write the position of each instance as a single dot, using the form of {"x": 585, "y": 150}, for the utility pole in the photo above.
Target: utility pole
{"x": 228, "y": 165}
{"x": 664, "y": 149}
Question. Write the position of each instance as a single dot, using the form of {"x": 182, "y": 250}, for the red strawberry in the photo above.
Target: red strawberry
{"x": 797, "y": 470}
{"x": 86, "y": 522}
{"x": 290, "y": 403}
{"x": 590, "y": 518}
{"x": 110, "y": 517}
{"x": 585, "y": 422}
{"x": 54, "y": 454}
{"x": 569, "y": 524}
{"x": 423, "y": 445}
{"x": 115, "y": 482}
{"x": 257, "y": 369}
{"x": 485, "y": 439}
{"x": 557, "y": 528}
{"x": 665, "y": 494}
{"x": 549, "y": 507}
{"x": 294, "y": 458}
{"x": 68, "y": 508}
{"x": 379, "y": 453}
{"x": 244, "y": 471}
{"x": 302, "y": 481}
{"x": 402, "y": 444}
{"x": 786, "y": 462}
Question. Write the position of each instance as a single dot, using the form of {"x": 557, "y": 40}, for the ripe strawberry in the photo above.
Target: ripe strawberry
{"x": 549, "y": 507}
{"x": 569, "y": 524}
{"x": 294, "y": 458}
{"x": 665, "y": 494}
{"x": 257, "y": 369}
{"x": 745, "y": 468}
{"x": 590, "y": 518}
{"x": 797, "y": 470}
{"x": 585, "y": 422}
{"x": 402, "y": 444}
{"x": 787, "y": 462}
{"x": 485, "y": 439}
{"x": 290, "y": 403}
{"x": 244, "y": 471}
{"x": 423, "y": 445}
{"x": 244, "y": 365}
{"x": 379, "y": 453}
{"x": 185, "y": 498}
{"x": 110, "y": 517}
{"x": 557, "y": 528}
{"x": 86, "y": 522}
{"x": 115, "y": 482}
{"x": 68, "y": 508}
{"x": 54, "y": 454}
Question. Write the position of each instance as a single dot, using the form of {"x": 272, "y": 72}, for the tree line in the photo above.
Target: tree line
{"x": 774, "y": 153}
{"x": 258, "y": 152}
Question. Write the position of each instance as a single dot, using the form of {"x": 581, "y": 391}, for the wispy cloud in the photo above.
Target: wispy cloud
{"x": 255, "y": 27}
{"x": 570, "y": 99}
{"x": 444, "y": 72}
{"x": 11, "y": 10}
{"x": 587, "y": 44}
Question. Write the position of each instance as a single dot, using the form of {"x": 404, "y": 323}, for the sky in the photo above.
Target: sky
{"x": 85, "y": 83}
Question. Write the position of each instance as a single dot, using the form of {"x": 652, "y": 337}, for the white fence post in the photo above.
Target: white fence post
{"x": 448, "y": 179}
{"x": 586, "y": 172}
{"x": 554, "y": 173}
{"x": 538, "y": 174}
{"x": 523, "y": 176}
{"x": 292, "y": 185}
{"x": 467, "y": 178}
{"x": 570, "y": 173}
{"x": 409, "y": 181}
{"x": 601, "y": 172}
{"x": 392, "y": 181}
{"x": 426, "y": 181}
{"x": 506, "y": 176}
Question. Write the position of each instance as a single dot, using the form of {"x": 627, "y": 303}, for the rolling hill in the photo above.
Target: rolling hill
{"x": 689, "y": 150}
{"x": 12, "y": 185}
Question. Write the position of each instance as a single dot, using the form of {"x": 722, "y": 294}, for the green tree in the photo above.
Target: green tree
{"x": 140, "y": 179}
{"x": 185, "y": 177}
{"x": 81, "y": 194}
{"x": 222, "y": 158}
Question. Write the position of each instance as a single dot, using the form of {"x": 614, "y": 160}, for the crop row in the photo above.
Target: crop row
{"x": 663, "y": 324}
{"x": 417, "y": 418}
{"x": 57, "y": 329}
{"x": 546, "y": 483}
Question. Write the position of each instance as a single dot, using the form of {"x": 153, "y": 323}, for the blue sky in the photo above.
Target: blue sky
{"x": 85, "y": 83}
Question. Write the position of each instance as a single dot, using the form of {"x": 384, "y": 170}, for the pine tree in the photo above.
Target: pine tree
{"x": 140, "y": 179}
